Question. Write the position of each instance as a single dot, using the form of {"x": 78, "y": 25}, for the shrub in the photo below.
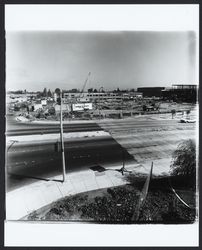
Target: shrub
{"x": 184, "y": 160}
{"x": 40, "y": 115}
{"x": 51, "y": 111}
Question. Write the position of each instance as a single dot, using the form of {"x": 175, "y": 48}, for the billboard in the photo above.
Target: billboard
{"x": 82, "y": 106}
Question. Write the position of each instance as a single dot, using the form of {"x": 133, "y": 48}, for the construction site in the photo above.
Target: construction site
{"x": 102, "y": 104}
{"x": 119, "y": 104}
{"x": 131, "y": 133}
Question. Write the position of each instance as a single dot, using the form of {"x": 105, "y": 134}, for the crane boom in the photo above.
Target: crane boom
{"x": 84, "y": 85}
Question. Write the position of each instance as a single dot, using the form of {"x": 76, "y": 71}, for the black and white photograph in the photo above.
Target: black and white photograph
{"x": 102, "y": 124}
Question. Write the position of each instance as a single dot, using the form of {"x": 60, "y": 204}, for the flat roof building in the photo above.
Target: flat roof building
{"x": 151, "y": 91}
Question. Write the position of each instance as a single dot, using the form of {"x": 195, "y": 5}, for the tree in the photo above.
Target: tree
{"x": 49, "y": 93}
{"x": 45, "y": 92}
{"x": 144, "y": 108}
{"x": 90, "y": 90}
{"x": 57, "y": 91}
{"x": 18, "y": 92}
{"x": 39, "y": 94}
{"x": 95, "y": 91}
{"x": 74, "y": 90}
{"x": 173, "y": 112}
{"x": 40, "y": 114}
{"x": 184, "y": 160}
{"x": 51, "y": 111}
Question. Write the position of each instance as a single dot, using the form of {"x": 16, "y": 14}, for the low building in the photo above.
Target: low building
{"x": 14, "y": 97}
{"x": 98, "y": 96}
{"x": 132, "y": 95}
{"x": 44, "y": 102}
{"x": 151, "y": 91}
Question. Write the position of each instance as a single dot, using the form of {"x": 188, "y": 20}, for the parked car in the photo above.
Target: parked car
{"x": 187, "y": 121}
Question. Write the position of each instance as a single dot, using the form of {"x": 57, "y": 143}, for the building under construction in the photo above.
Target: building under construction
{"x": 181, "y": 93}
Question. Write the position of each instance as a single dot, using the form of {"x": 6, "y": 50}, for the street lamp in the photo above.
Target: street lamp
{"x": 99, "y": 99}
{"x": 121, "y": 105}
{"x": 61, "y": 138}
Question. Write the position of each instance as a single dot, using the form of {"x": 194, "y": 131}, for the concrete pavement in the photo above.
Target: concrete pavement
{"x": 55, "y": 137}
{"x": 24, "y": 200}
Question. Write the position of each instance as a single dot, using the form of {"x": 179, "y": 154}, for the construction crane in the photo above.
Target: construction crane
{"x": 80, "y": 103}
{"x": 84, "y": 85}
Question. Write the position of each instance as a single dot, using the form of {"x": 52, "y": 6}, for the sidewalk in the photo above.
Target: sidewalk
{"x": 55, "y": 137}
{"x": 25, "y": 200}
{"x": 22, "y": 201}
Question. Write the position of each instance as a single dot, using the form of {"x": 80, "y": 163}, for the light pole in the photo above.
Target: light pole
{"x": 62, "y": 140}
{"x": 121, "y": 105}
{"x": 99, "y": 100}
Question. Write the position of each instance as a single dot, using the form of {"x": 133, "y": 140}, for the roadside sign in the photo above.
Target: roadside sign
{"x": 82, "y": 106}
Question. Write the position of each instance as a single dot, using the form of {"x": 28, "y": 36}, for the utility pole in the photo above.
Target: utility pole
{"x": 99, "y": 101}
{"x": 62, "y": 140}
{"x": 121, "y": 105}
{"x": 99, "y": 106}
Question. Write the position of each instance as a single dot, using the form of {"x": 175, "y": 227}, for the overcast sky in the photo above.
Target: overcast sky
{"x": 35, "y": 60}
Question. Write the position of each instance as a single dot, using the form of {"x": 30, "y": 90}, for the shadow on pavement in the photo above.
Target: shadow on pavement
{"x": 32, "y": 164}
{"x": 18, "y": 176}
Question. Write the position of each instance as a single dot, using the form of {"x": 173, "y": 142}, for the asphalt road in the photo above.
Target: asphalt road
{"x": 28, "y": 163}
{"x": 14, "y": 128}
{"x": 43, "y": 161}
